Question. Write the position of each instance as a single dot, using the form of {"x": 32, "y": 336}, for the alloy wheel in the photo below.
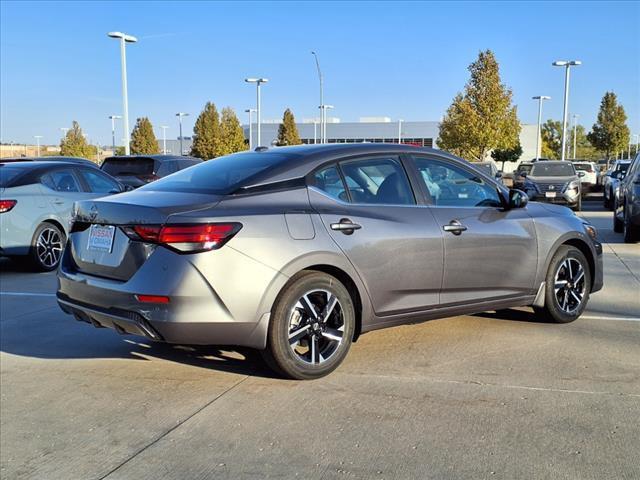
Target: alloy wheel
{"x": 569, "y": 286}
{"x": 49, "y": 247}
{"x": 316, "y": 327}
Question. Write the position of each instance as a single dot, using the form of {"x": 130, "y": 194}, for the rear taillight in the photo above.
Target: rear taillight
{"x": 188, "y": 238}
{"x": 7, "y": 205}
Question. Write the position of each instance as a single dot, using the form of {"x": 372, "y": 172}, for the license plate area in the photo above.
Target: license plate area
{"x": 101, "y": 238}
{"x": 550, "y": 194}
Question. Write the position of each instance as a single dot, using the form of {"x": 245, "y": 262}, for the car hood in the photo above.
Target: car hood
{"x": 546, "y": 208}
{"x": 551, "y": 179}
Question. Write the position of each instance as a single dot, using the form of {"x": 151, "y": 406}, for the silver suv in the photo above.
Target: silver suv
{"x": 554, "y": 182}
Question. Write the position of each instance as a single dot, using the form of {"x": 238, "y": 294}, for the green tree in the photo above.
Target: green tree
{"x": 551, "y": 136}
{"x": 231, "y": 134}
{"x": 584, "y": 149}
{"x": 507, "y": 155}
{"x": 143, "y": 140}
{"x": 482, "y": 118}
{"x": 610, "y": 133}
{"x": 287, "y": 131}
{"x": 206, "y": 133}
{"x": 119, "y": 151}
{"x": 73, "y": 144}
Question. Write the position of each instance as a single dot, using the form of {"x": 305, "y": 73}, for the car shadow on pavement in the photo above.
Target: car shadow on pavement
{"x": 512, "y": 314}
{"x": 51, "y": 341}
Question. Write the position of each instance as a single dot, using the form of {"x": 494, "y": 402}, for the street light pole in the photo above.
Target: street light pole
{"x": 180, "y": 115}
{"x": 124, "y": 39}
{"x": 164, "y": 139}
{"x": 37, "y": 137}
{"x": 258, "y": 82}
{"x": 315, "y": 133}
{"x": 250, "y": 111}
{"x": 575, "y": 132}
{"x": 322, "y": 112}
{"x": 567, "y": 64}
{"x": 399, "y": 130}
{"x": 113, "y": 131}
{"x": 540, "y": 99}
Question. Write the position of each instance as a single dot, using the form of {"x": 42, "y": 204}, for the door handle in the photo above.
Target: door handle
{"x": 345, "y": 226}
{"x": 454, "y": 227}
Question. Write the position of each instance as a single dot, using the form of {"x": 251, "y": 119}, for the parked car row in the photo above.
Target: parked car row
{"x": 296, "y": 251}
{"x": 37, "y": 197}
{"x": 626, "y": 201}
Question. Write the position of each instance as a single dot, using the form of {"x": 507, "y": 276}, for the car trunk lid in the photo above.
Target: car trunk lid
{"x": 119, "y": 257}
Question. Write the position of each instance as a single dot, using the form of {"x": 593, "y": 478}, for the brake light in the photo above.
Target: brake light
{"x": 7, "y": 205}
{"x": 152, "y": 298}
{"x": 188, "y": 238}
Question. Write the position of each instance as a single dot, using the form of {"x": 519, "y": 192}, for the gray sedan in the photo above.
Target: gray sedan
{"x": 297, "y": 251}
{"x": 36, "y": 203}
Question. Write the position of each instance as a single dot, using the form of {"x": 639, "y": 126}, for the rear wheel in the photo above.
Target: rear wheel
{"x": 631, "y": 233}
{"x": 607, "y": 199}
{"x": 46, "y": 247}
{"x": 311, "y": 327}
{"x": 568, "y": 284}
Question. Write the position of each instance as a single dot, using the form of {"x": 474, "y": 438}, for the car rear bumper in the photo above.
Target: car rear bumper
{"x": 132, "y": 322}
{"x": 225, "y": 310}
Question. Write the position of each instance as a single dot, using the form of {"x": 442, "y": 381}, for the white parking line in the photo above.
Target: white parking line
{"x": 27, "y": 294}
{"x": 615, "y": 319}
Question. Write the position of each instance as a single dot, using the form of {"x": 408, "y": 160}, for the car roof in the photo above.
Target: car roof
{"x": 298, "y": 161}
{"x": 52, "y": 158}
{"x": 153, "y": 157}
{"x": 28, "y": 165}
{"x": 556, "y": 162}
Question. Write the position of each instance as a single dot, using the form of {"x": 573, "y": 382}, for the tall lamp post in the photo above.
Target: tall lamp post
{"x": 37, "y": 137}
{"x": 113, "y": 119}
{"x": 567, "y": 64}
{"x": 575, "y": 133}
{"x": 250, "y": 111}
{"x": 322, "y": 111}
{"x": 180, "y": 115}
{"x": 400, "y": 130}
{"x": 540, "y": 99}
{"x": 258, "y": 82}
{"x": 124, "y": 39}
{"x": 164, "y": 139}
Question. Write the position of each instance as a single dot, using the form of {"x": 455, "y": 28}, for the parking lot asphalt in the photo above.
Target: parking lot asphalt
{"x": 493, "y": 395}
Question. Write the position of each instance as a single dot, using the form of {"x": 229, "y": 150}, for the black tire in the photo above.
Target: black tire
{"x": 578, "y": 206}
{"x": 606, "y": 201}
{"x": 281, "y": 354}
{"x": 618, "y": 225}
{"x": 558, "y": 306}
{"x": 631, "y": 233}
{"x": 47, "y": 246}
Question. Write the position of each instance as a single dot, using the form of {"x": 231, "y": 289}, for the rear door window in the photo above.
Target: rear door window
{"x": 61, "y": 181}
{"x": 128, "y": 166}
{"x": 328, "y": 180}
{"x": 377, "y": 180}
{"x": 99, "y": 182}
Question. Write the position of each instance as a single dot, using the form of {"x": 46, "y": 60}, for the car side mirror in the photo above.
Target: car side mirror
{"x": 517, "y": 198}
{"x": 581, "y": 174}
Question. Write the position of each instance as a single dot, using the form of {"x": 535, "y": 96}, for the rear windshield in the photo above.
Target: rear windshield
{"x": 128, "y": 166}
{"x": 553, "y": 170}
{"x": 221, "y": 175}
{"x": 583, "y": 167}
{"x": 622, "y": 168}
{"x": 525, "y": 168}
{"x": 8, "y": 174}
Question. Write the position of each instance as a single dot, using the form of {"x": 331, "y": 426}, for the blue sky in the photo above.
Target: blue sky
{"x": 395, "y": 59}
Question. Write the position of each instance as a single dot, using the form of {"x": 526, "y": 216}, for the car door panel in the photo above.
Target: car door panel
{"x": 396, "y": 249}
{"x": 489, "y": 252}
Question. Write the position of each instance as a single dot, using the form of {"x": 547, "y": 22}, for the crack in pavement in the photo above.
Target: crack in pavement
{"x": 179, "y": 424}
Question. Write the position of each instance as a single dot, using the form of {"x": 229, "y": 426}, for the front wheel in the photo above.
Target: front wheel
{"x": 311, "y": 328}
{"x": 568, "y": 284}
